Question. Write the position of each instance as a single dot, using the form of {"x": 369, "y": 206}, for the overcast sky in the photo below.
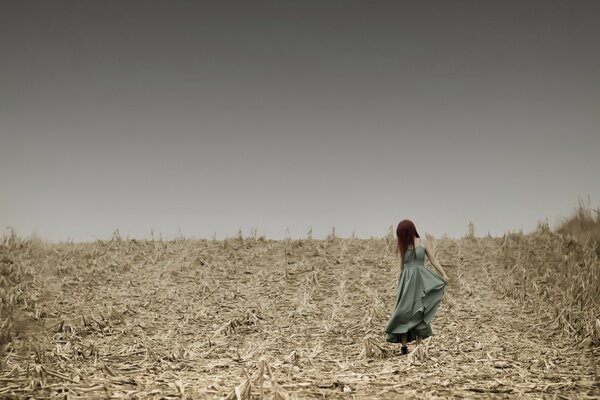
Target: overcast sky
{"x": 207, "y": 117}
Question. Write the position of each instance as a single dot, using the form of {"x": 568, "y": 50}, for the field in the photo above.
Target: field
{"x": 252, "y": 318}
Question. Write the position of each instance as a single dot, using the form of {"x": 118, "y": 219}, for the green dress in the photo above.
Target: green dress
{"x": 418, "y": 297}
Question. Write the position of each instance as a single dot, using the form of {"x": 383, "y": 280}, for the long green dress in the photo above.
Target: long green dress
{"x": 418, "y": 296}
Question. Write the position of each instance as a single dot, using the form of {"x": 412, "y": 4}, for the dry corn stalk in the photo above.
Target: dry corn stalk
{"x": 279, "y": 393}
{"x": 370, "y": 349}
{"x": 293, "y": 358}
{"x": 419, "y": 354}
{"x": 243, "y": 391}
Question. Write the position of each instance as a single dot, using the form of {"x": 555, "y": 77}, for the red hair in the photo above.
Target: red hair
{"x": 406, "y": 233}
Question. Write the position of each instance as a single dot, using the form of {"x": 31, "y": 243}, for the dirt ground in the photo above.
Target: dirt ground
{"x": 297, "y": 319}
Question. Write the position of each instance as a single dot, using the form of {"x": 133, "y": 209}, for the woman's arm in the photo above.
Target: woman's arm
{"x": 433, "y": 260}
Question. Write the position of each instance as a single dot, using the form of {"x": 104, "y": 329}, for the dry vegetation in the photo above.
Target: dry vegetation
{"x": 583, "y": 225}
{"x": 249, "y": 318}
{"x": 557, "y": 276}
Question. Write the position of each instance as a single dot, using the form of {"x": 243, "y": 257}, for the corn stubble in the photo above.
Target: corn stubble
{"x": 250, "y": 318}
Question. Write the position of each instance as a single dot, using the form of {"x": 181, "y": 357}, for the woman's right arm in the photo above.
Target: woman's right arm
{"x": 433, "y": 260}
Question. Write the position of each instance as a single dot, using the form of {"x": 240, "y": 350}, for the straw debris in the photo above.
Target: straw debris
{"x": 248, "y": 318}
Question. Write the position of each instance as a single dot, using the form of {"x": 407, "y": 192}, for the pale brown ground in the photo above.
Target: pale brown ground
{"x": 162, "y": 312}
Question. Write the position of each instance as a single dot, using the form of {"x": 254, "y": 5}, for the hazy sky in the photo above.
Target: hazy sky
{"x": 207, "y": 117}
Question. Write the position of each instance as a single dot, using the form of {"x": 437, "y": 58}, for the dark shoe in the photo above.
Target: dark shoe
{"x": 404, "y": 349}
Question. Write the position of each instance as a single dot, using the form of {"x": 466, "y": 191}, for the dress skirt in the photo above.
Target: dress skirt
{"x": 418, "y": 296}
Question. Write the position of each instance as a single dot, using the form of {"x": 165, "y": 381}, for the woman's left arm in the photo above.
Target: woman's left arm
{"x": 434, "y": 261}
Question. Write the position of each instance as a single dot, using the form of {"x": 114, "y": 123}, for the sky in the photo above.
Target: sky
{"x": 202, "y": 118}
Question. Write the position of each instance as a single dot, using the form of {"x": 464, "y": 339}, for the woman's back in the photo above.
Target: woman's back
{"x": 416, "y": 256}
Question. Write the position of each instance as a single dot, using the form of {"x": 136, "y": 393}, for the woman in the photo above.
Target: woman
{"x": 419, "y": 291}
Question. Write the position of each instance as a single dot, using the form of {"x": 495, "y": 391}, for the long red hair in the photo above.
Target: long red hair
{"x": 406, "y": 233}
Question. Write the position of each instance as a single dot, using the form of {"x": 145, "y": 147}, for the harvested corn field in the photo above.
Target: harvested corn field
{"x": 251, "y": 318}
